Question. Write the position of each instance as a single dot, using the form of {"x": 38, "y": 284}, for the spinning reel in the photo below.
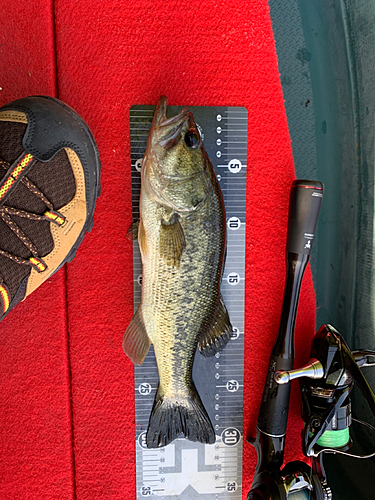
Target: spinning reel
{"x": 326, "y": 380}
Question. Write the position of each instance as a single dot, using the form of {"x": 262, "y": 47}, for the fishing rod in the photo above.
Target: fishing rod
{"x": 269, "y": 481}
{"x": 326, "y": 381}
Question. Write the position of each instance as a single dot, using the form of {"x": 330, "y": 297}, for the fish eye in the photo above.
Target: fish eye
{"x": 192, "y": 140}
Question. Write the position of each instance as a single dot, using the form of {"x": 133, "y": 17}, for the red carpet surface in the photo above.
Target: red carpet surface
{"x": 67, "y": 400}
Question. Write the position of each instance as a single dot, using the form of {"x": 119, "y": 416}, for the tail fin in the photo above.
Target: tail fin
{"x": 171, "y": 417}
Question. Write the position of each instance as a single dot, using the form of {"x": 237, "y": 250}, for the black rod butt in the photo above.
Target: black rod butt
{"x": 304, "y": 205}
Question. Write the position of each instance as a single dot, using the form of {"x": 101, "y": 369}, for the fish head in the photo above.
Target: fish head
{"x": 175, "y": 168}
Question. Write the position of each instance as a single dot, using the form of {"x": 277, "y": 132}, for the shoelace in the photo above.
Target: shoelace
{"x": 5, "y": 214}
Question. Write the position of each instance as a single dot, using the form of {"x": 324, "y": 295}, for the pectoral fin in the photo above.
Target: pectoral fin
{"x": 136, "y": 342}
{"x": 216, "y": 338}
{"x": 132, "y": 232}
{"x": 172, "y": 240}
{"x": 137, "y": 232}
{"x": 142, "y": 239}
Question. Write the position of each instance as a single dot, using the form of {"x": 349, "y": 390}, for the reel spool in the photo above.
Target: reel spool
{"x": 299, "y": 495}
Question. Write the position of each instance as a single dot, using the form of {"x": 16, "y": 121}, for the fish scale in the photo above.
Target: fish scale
{"x": 185, "y": 469}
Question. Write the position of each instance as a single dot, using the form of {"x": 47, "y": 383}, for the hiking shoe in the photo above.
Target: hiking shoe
{"x": 49, "y": 182}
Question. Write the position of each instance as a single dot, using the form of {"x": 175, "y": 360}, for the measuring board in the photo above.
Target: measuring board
{"x": 183, "y": 469}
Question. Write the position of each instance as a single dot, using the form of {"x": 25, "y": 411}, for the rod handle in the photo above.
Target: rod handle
{"x": 304, "y": 205}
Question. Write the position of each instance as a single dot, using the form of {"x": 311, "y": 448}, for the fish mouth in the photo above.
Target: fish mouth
{"x": 168, "y": 131}
{"x": 160, "y": 116}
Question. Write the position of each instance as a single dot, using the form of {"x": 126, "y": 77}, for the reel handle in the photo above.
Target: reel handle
{"x": 313, "y": 369}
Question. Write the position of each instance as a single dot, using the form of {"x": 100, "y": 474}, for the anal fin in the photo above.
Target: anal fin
{"x": 136, "y": 342}
{"x": 218, "y": 335}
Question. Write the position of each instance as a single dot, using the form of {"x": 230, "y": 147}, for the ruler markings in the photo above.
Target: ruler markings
{"x": 237, "y": 142}
{"x": 236, "y": 130}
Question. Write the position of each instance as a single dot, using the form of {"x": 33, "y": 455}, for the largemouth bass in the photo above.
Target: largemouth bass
{"x": 182, "y": 237}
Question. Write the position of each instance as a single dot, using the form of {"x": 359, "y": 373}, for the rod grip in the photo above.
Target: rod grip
{"x": 304, "y": 205}
{"x": 273, "y": 411}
